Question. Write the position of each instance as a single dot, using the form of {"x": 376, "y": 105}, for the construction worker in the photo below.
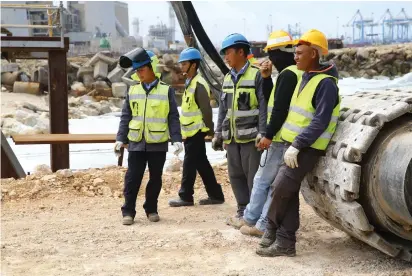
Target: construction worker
{"x": 154, "y": 61}
{"x": 149, "y": 117}
{"x": 307, "y": 131}
{"x": 196, "y": 122}
{"x": 280, "y": 50}
{"x": 241, "y": 120}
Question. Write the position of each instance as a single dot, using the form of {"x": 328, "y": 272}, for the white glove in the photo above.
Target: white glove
{"x": 291, "y": 157}
{"x": 178, "y": 148}
{"x": 117, "y": 146}
{"x": 257, "y": 139}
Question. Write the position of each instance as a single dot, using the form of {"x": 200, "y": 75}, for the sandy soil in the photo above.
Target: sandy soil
{"x": 50, "y": 227}
{"x": 10, "y": 101}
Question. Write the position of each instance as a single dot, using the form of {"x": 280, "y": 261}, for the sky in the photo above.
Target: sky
{"x": 251, "y": 18}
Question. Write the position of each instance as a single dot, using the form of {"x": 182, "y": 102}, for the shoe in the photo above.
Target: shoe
{"x": 178, "y": 202}
{"x": 210, "y": 201}
{"x": 251, "y": 231}
{"x": 274, "y": 250}
{"x": 269, "y": 237}
{"x": 236, "y": 222}
{"x": 128, "y": 220}
{"x": 153, "y": 217}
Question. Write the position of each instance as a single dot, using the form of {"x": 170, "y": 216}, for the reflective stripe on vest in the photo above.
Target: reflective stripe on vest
{"x": 271, "y": 102}
{"x": 191, "y": 118}
{"x": 149, "y": 114}
{"x": 242, "y": 117}
{"x": 301, "y": 113}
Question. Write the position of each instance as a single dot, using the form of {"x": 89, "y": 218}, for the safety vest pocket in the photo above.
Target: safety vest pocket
{"x": 134, "y": 135}
{"x": 246, "y": 127}
{"x": 226, "y": 131}
{"x": 157, "y": 133}
{"x": 243, "y": 101}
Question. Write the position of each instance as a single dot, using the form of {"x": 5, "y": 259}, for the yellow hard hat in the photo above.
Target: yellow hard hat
{"x": 278, "y": 39}
{"x": 315, "y": 38}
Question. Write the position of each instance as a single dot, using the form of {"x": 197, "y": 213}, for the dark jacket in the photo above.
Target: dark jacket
{"x": 325, "y": 99}
{"x": 173, "y": 121}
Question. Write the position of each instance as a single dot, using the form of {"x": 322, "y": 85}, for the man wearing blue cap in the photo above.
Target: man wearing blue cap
{"x": 149, "y": 117}
{"x": 196, "y": 122}
{"x": 242, "y": 120}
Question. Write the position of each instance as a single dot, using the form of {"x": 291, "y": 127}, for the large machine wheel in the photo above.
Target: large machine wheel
{"x": 363, "y": 185}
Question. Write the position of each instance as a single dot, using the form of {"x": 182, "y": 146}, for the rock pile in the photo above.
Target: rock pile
{"x": 105, "y": 182}
{"x": 372, "y": 61}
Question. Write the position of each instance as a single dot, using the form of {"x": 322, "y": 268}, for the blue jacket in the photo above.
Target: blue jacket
{"x": 173, "y": 121}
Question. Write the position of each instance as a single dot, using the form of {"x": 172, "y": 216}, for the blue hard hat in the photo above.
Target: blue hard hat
{"x": 189, "y": 54}
{"x": 142, "y": 59}
{"x": 150, "y": 53}
{"x": 233, "y": 39}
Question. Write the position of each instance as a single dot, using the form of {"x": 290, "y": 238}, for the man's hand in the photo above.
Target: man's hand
{"x": 257, "y": 139}
{"x": 291, "y": 157}
{"x": 178, "y": 148}
{"x": 266, "y": 69}
{"x": 217, "y": 143}
{"x": 117, "y": 146}
{"x": 264, "y": 143}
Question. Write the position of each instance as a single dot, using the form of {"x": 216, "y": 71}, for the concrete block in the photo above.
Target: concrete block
{"x": 101, "y": 69}
{"x": 100, "y": 57}
{"x": 128, "y": 81}
{"x": 9, "y": 67}
{"x": 119, "y": 89}
{"x": 84, "y": 70}
{"x": 41, "y": 75}
{"x": 88, "y": 81}
{"x": 115, "y": 75}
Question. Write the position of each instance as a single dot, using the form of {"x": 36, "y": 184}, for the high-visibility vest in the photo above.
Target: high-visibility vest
{"x": 191, "y": 118}
{"x": 271, "y": 102}
{"x": 149, "y": 114}
{"x": 301, "y": 113}
{"x": 241, "y": 122}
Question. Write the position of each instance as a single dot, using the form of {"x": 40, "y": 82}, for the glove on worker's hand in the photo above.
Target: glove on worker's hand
{"x": 291, "y": 157}
{"x": 178, "y": 148}
{"x": 257, "y": 140}
{"x": 217, "y": 143}
{"x": 117, "y": 146}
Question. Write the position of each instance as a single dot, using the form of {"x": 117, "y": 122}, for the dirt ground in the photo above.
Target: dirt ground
{"x": 70, "y": 224}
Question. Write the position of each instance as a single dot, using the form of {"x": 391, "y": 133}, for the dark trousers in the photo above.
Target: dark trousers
{"x": 196, "y": 160}
{"x": 136, "y": 166}
{"x": 243, "y": 162}
{"x": 283, "y": 214}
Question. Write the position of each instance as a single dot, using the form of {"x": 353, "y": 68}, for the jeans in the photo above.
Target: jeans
{"x": 257, "y": 209}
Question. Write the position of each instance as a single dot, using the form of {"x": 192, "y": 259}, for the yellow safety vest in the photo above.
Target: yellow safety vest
{"x": 271, "y": 102}
{"x": 301, "y": 113}
{"x": 149, "y": 114}
{"x": 241, "y": 124}
{"x": 191, "y": 118}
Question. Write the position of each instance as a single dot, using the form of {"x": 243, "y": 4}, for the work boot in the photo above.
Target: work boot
{"x": 269, "y": 237}
{"x": 274, "y": 250}
{"x": 236, "y": 222}
{"x": 128, "y": 220}
{"x": 153, "y": 217}
{"x": 210, "y": 201}
{"x": 251, "y": 231}
{"x": 178, "y": 202}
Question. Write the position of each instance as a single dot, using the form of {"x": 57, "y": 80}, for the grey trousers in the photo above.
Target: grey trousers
{"x": 283, "y": 214}
{"x": 243, "y": 163}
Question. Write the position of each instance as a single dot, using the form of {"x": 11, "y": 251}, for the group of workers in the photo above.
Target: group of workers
{"x": 273, "y": 132}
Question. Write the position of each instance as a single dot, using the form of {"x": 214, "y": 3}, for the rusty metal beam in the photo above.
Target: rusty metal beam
{"x": 58, "y": 103}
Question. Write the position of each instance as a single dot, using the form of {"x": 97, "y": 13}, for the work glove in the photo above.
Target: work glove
{"x": 217, "y": 143}
{"x": 178, "y": 148}
{"x": 257, "y": 139}
{"x": 117, "y": 146}
{"x": 291, "y": 157}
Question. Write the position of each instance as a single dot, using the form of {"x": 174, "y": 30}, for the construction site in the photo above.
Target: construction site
{"x": 62, "y": 186}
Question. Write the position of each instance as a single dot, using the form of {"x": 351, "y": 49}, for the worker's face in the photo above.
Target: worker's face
{"x": 304, "y": 57}
{"x": 145, "y": 74}
{"x": 185, "y": 66}
{"x": 234, "y": 56}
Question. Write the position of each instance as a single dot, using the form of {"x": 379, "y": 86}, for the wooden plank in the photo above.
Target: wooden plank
{"x": 58, "y": 104}
{"x": 58, "y": 139}
{"x": 10, "y": 165}
{"x": 33, "y": 44}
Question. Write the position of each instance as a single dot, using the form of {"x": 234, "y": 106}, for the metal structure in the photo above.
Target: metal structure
{"x": 55, "y": 50}
{"x": 295, "y": 32}
{"x": 10, "y": 165}
{"x": 362, "y": 29}
{"x": 363, "y": 185}
{"x": 395, "y": 29}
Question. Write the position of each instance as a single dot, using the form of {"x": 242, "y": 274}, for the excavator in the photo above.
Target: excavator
{"x": 363, "y": 185}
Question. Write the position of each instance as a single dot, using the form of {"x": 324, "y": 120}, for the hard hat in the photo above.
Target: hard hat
{"x": 190, "y": 54}
{"x": 135, "y": 58}
{"x": 278, "y": 39}
{"x": 315, "y": 38}
{"x": 233, "y": 39}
